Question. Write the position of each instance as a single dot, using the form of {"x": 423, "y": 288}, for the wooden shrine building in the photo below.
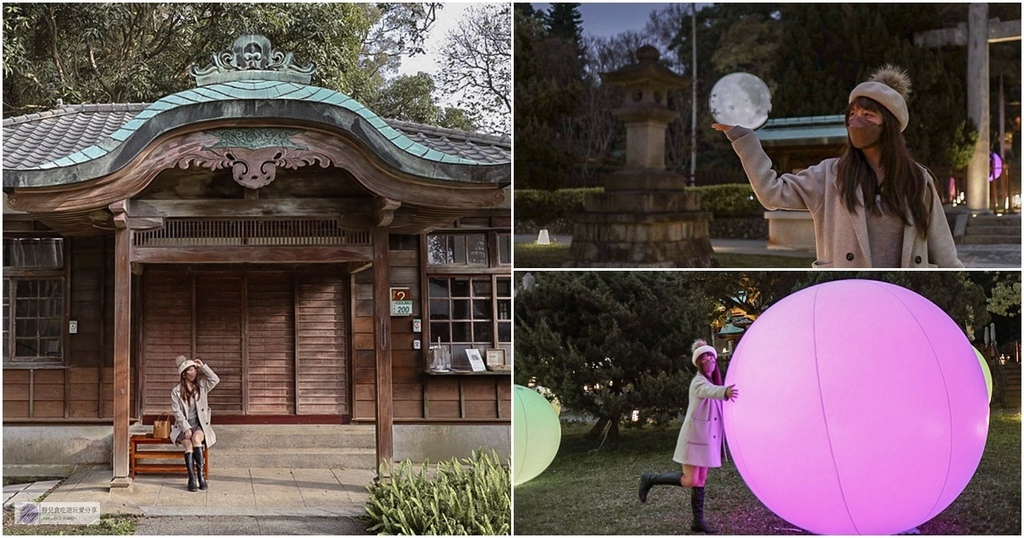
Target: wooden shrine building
{"x": 307, "y": 249}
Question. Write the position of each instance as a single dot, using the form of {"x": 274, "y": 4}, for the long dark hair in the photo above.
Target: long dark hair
{"x": 188, "y": 394}
{"x": 904, "y": 190}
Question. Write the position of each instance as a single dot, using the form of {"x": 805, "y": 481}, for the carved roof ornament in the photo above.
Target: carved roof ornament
{"x": 251, "y": 57}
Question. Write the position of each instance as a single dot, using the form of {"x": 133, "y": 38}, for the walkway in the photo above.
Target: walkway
{"x": 238, "y": 502}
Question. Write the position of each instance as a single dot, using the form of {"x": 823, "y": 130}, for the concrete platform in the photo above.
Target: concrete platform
{"x": 251, "y": 492}
{"x": 972, "y": 256}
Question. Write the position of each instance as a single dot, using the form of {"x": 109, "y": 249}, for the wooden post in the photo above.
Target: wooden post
{"x": 382, "y": 337}
{"x": 122, "y": 343}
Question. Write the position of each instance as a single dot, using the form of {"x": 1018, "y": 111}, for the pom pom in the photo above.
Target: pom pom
{"x": 698, "y": 343}
{"x": 893, "y": 77}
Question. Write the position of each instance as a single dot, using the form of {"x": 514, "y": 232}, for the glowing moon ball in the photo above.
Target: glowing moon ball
{"x": 536, "y": 433}
{"x": 987, "y": 371}
{"x": 862, "y": 409}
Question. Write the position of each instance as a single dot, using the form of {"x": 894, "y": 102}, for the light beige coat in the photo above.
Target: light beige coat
{"x": 701, "y": 436}
{"x": 207, "y": 380}
{"x": 841, "y": 237}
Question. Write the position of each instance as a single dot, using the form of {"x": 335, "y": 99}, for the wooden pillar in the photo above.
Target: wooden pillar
{"x": 382, "y": 337}
{"x": 122, "y": 343}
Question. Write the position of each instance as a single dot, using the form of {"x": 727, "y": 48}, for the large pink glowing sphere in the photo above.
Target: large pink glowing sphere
{"x": 862, "y": 409}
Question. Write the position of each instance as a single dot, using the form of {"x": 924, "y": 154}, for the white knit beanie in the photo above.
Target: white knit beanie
{"x": 184, "y": 362}
{"x": 701, "y": 347}
{"x": 889, "y": 86}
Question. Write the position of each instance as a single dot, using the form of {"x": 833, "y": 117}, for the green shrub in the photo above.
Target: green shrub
{"x": 734, "y": 200}
{"x": 471, "y": 496}
{"x": 543, "y": 208}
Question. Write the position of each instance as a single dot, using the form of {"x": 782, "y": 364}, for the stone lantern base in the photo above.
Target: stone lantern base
{"x": 643, "y": 219}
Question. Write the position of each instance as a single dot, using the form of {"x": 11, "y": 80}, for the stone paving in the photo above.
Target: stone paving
{"x": 232, "y": 492}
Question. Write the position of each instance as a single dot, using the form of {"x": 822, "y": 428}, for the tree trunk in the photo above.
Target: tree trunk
{"x": 595, "y": 432}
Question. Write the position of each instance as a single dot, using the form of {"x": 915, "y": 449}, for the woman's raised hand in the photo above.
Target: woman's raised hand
{"x": 731, "y": 392}
{"x": 199, "y": 363}
{"x": 721, "y": 127}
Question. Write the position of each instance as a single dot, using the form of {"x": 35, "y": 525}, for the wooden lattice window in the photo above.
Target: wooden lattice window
{"x": 33, "y": 300}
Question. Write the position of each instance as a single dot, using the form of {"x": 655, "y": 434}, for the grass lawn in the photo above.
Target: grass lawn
{"x": 554, "y": 255}
{"x": 587, "y": 490}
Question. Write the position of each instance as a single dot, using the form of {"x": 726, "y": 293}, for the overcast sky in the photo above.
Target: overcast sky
{"x": 605, "y": 20}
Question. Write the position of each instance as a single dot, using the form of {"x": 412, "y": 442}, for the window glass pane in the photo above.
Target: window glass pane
{"x": 504, "y": 309}
{"x": 438, "y": 287}
{"x": 49, "y": 327}
{"x": 460, "y": 287}
{"x": 437, "y": 250}
{"x": 26, "y": 327}
{"x": 28, "y": 289}
{"x": 477, "y": 244}
{"x": 505, "y": 331}
{"x": 460, "y": 309}
{"x": 504, "y": 287}
{"x": 504, "y": 249}
{"x": 26, "y": 308}
{"x": 34, "y": 252}
{"x": 440, "y": 330}
{"x": 26, "y": 347}
{"x": 482, "y": 332}
{"x": 460, "y": 332}
{"x": 439, "y": 309}
{"x": 482, "y": 287}
{"x": 459, "y": 249}
{"x": 482, "y": 309}
{"x": 51, "y": 347}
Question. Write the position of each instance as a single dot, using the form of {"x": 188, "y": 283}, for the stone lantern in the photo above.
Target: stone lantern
{"x": 644, "y": 217}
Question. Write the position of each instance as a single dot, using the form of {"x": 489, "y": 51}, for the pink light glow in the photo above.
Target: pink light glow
{"x": 863, "y": 409}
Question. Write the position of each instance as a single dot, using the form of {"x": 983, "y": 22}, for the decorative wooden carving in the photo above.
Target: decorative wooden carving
{"x": 253, "y": 154}
{"x": 384, "y": 210}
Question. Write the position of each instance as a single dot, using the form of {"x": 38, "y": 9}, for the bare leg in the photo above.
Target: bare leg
{"x": 691, "y": 476}
{"x": 186, "y": 441}
{"x": 198, "y": 437}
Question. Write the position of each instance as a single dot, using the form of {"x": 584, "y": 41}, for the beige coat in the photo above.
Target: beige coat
{"x": 207, "y": 380}
{"x": 701, "y": 436}
{"x": 841, "y": 237}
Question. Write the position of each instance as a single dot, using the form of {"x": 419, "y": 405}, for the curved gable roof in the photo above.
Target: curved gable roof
{"x": 108, "y": 136}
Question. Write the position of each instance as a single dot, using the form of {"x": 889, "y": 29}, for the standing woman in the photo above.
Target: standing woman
{"x": 192, "y": 415}
{"x": 872, "y": 207}
{"x": 700, "y": 439}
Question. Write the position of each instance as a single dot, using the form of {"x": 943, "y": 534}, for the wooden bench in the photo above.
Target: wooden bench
{"x": 137, "y": 456}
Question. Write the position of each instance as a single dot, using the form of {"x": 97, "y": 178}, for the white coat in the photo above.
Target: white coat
{"x": 702, "y": 433}
{"x": 207, "y": 380}
{"x": 841, "y": 237}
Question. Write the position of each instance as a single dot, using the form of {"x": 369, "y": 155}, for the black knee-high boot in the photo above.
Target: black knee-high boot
{"x": 649, "y": 480}
{"x": 191, "y": 472}
{"x": 697, "y": 503}
{"x": 197, "y": 456}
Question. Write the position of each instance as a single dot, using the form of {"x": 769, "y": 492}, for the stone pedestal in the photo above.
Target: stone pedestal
{"x": 643, "y": 219}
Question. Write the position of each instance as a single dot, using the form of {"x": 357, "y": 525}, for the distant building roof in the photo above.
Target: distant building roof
{"x": 804, "y": 131}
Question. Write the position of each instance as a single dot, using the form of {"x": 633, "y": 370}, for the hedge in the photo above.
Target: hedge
{"x": 554, "y": 208}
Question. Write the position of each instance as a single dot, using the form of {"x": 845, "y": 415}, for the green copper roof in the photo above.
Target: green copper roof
{"x": 254, "y": 90}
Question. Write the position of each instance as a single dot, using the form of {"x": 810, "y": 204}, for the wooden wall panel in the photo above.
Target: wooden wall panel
{"x": 219, "y": 337}
{"x": 322, "y": 373}
{"x": 271, "y": 345}
{"x": 167, "y": 333}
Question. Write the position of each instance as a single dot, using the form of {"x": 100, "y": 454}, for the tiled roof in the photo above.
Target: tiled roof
{"x": 35, "y": 139}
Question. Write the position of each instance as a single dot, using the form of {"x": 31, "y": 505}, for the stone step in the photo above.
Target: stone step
{"x": 295, "y": 436}
{"x": 993, "y": 230}
{"x": 990, "y": 239}
{"x": 307, "y": 458}
{"x": 996, "y": 220}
